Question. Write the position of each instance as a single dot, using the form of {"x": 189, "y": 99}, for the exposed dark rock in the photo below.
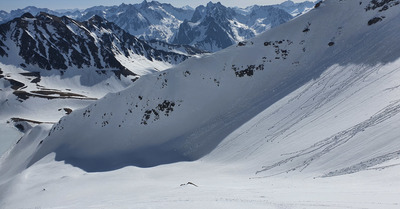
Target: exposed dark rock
{"x": 248, "y": 71}
{"x": 36, "y": 76}
{"x": 15, "y": 84}
{"x": 164, "y": 108}
{"x": 23, "y": 95}
{"x": 385, "y": 4}
{"x": 242, "y": 43}
{"x": 374, "y": 20}
{"x": 318, "y": 4}
{"x": 267, "y": 43}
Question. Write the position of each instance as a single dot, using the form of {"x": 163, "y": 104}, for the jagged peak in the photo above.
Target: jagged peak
{"x": 187, "y": 7}
{"x": 216, "y": 8}
{"x": 214, "y": 5}
{"x": 27, "y": 15}
{"x": 96, "y": 19}
{"x": 49, "y": 18}
{"x": 44, "y": 14}
{"x": 210, "y": 4}
{"x": 144, "y": 4}
{"x": 288, "y": 3}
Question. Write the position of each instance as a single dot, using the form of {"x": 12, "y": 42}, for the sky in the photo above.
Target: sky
{"x": 8, "y": 5}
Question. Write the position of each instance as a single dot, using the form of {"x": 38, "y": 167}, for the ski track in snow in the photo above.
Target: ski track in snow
{"x": 327, "y": 145}
{"x": 324, "y": 146}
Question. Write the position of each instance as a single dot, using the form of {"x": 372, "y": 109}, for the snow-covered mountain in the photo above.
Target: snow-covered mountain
{"x": 3, "y": 15}
{"x": 262, "y": 18}
{"x": 214, "y": 27}
{"x": 64, "y": 64}
{"x": 50, "y": 42}
{"x": 305, "y": 115}
{"x": 296, "y": 9}
{"x": 8, "y": 16}
{"x": 210, "y": 28}
{"x": 148, "y": 20}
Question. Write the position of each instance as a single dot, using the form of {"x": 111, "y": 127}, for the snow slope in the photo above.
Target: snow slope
{"x": 302, "y": 116}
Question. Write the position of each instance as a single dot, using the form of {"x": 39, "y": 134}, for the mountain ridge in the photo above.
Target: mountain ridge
{"x": 95, "y": 43}
{"x": 214, "y": 27}
{"x": 161, "y": 21}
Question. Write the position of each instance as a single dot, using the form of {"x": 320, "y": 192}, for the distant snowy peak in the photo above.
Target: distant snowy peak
{"x": 3, "y": 15}
{"x": 148, "y": 20}
{"x": 30, "y": 9}
{"x": 262, "y": 18}
{"x": 217, "y": 11}
{"x": 50, "y": 42}
{"x": 187, "y": 7}
{"x": 295, "y": 9}
{"x": 214, "y": 26}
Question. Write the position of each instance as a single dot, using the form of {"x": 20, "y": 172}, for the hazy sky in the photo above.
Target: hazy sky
{"x": 8, "y": 5}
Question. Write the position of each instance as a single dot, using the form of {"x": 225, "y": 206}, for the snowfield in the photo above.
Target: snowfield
{"x": 219, "y": 186}
{"x": 306, "y": 115}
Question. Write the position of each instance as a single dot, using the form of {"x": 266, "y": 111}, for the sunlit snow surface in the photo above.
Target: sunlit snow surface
{"x": 52, "y": 184}
{"x": 9, "y": 136}
{"x": 316, "y": 128}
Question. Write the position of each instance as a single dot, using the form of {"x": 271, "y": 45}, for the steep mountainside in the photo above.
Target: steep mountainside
{"x": 304, "y": 115}
{"x": 50, "y": 66}
{"x": 50, "y": 42}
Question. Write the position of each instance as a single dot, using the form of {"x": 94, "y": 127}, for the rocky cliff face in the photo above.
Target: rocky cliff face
{"x": 50, "y": 42}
